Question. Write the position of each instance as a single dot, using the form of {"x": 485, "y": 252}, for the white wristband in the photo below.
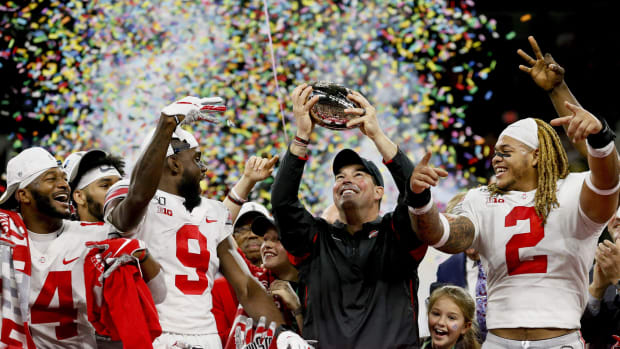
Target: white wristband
{"x": 601, "y": 152}
{"x": 446, "y": 231}
{"x": 422, "y": 210}
{"x": 602, "y": 192}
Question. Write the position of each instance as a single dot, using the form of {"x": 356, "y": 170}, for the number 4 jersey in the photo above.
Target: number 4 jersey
{"x": 185, "y": 244}
{"x": 57, "y": 297}
{"x": 537, "y": 274}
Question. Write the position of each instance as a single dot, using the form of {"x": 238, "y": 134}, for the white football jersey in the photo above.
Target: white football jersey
{"x": 57, "y": 301}
{"x": 185, "y": 245}
{"x": 537, "y": 275}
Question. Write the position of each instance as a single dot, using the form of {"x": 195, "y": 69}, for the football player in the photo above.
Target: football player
{"x": 188, "y": 234}
{"x": 536, "y": 228}
{"x": 38, "y": 190}
{"x": 90, "y": 174}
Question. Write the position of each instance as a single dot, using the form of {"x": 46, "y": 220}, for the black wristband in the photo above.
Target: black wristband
{"x": 601, "y": 139}
{"x": 416, "y": 200}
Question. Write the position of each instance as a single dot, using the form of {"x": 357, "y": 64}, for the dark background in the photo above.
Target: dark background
{"x": 582, "y": 37}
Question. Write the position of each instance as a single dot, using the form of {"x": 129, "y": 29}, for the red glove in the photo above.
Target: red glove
{"x": 116, "y": 252}
{"x": 260, "y": 338}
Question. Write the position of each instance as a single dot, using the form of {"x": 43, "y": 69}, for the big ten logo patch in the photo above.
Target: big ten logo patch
{"x": 163, "y": 210}
{"x": 495, "y": 200}
{"x": 160, "y": 200}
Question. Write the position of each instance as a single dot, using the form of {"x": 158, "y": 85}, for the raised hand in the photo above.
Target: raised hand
{"x": 424, "y": 175}
{"x": 284, "y": 290}
{"x": 258, "y": 169}
{"x": 608, "y": 259}
{"x": 301, "y": 109}
{"x": 579, "y": 125}
{"x": 544, "y": 70}
{"x": 191, "y": 109}
{"x": 367, "y": 120}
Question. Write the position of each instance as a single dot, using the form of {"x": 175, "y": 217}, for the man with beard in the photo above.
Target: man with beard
{"x": 90, "y": 176}
{"x": 188, "y": 234}
{"x": 536, "y": 228}
{"x": 91, "y": 173}
{"x": 38, "y": 189}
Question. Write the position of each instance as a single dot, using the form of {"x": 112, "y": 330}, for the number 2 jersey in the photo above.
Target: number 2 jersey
{"x": 57, "y": 296}
{"x": 537, "y": 275}
{"x": 185, "y": 244}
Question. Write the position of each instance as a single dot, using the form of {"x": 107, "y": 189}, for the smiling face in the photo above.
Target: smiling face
{"x": 50, "y": 193}
{"x": 272, "y": 252}
{"x": 515, "y": 165}
{"x": 355, "y": 188}
{"x": 247, "y": 241}
{"x": 446, "y": 323}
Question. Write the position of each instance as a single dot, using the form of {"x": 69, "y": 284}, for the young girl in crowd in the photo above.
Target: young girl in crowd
{"x": 451, "y": 313}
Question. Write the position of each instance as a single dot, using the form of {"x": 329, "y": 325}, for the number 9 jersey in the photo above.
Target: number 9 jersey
{"x": 537, "y": 274}
{"x": 185, "y": 244}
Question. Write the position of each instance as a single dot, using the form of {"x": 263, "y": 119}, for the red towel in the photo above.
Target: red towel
{"x": 120, "y": 306}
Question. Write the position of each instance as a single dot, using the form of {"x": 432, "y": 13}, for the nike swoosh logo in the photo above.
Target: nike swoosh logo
{"x": 211, "y": 220}
{"x": 65, "y": 262}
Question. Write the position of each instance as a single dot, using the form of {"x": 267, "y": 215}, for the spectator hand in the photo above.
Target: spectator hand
{"x": 258, "y": 169}
{"x": 301, "y": 110}
{"x": 424, "y": 176}
{"x": 117, "y": 252}
{"x": 579, "y": 125}
{"x": 608, "y": 258}
{"x": 544, "y": 70}
{"x": 367, "y": 120}
{"x": 284, "y": 290}
{"x": 190, "y": 109}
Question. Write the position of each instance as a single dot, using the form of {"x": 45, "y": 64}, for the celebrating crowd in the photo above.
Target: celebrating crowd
{"x": 93, "y": 258}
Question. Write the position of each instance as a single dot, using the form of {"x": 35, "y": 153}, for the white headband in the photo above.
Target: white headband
{"x": 525, "y": 131}
{"x": 96, "y": 173}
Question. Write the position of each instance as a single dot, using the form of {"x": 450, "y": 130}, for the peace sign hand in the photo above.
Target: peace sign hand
{"x": 544, "y": 70}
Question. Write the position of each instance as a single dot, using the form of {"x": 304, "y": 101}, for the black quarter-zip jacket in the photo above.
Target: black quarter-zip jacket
{"x": 359, "y": 291}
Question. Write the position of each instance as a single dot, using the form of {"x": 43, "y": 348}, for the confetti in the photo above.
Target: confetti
{"x": 96, "y": 74}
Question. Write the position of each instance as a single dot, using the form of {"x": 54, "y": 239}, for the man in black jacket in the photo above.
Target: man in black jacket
{"x": 358, "y": 275}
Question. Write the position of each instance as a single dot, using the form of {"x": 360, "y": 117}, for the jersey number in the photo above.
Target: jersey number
{"x": 537, "y": 232}
{"x": 199, "y": 261}
{"x": 66, "y": 314}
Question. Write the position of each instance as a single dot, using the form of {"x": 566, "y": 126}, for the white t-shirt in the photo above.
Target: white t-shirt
{"x": 185, "y": 245}
{"x": 57, "y": 292}
{"x": 536, "y": 276}
{"x": 471, "y": 272}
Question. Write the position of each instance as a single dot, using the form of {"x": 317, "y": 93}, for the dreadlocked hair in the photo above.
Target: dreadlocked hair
{"x": 552, "y": 166}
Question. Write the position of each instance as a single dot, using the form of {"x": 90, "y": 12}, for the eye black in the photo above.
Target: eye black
{"x": 500, "y": 154}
